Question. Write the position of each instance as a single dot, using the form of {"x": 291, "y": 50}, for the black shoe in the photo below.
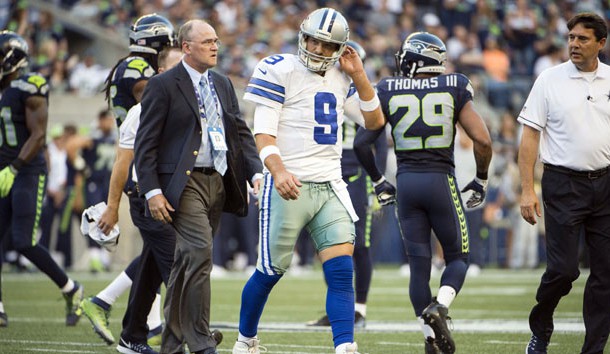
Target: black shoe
{"x": 359, "y": 320}
{"x": 536, "y": 345}
{"x": 3, "y": 319}
{"x": 217, "y": 336}
{"x": 431, "y": 347}
{"x": 321, "y": 322}
{"x": 435, "y": 316}
{"x": 126, "y": 347}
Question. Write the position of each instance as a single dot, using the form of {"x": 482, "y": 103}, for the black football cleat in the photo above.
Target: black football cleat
{"x": 435, "y": 316}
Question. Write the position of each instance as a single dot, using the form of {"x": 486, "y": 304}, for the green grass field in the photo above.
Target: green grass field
{"x": 489, "y": 316}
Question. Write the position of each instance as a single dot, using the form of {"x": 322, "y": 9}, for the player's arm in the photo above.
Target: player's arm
{"x": 528, "y": 153}
{"x": 363, "y": 142}
{"x": 285, "y": 182}
{"x": 266, "y": 120}
{"x": 138, "y": 90}
{"x": 369, "y": 103}
{"x": 73, "y": 147}
{"x": 118, "y": 178}
{"x": 36, "y": 117}
{"x": 475, "y": 128}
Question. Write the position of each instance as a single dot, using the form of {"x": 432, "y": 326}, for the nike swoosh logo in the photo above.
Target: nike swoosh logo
{"x": 262, "y": 71}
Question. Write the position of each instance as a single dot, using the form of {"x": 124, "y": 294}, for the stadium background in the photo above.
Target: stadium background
{"x": 501, "y": 45}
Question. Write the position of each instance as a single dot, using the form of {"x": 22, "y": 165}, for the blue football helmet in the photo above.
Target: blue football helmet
{"x": 14, "y": 52}
{"x": 150, "y": 34}
{"x": 421, "y": 52}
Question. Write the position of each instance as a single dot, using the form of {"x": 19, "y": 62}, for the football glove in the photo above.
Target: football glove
{"x": 7, "y": 178}
{"x": 386, "y": 193}
{"x": 479, "y": 188}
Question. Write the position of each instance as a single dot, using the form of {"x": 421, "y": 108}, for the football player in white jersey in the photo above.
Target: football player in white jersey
{"x": 300, "y": 105}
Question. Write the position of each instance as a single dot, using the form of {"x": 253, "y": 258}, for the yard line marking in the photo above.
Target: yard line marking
{"x": 471, "y": 326}
{"x": 404, "y": 344}
{"x": 59, "y": 350}
{"x": 26, "y": 341}
{"x": 511, "y": 342}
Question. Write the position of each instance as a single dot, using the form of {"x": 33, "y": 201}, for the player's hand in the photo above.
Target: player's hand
{"x": 287, "y": 185}
{"x": 479, "y": 189}
{"x": 386, "y": 193}
{"x": 160, "y": 208}
{"x": 109, "y": 218}
{"x": 7, "y": 178}
{"x": 350, "y": 61}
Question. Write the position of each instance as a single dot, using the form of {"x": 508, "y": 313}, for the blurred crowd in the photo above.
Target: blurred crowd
{"x": 500, "y": 45}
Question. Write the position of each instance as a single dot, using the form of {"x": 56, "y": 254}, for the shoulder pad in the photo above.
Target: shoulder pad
{"x": 32, "y": 83}
{"x": 137, "y": 63}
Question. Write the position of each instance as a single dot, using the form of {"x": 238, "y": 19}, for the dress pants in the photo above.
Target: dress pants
{"x": 187, "y": 305}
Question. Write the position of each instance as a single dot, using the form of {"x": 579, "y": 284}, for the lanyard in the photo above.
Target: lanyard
{"x": 200, "y": 100}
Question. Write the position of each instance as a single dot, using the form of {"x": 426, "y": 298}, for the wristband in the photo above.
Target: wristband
{"x": 18, "y": 164}
{"x": 267, "y": 151}
{"x": 371, "y": 105}
{"x": 379, "y": 181}
{"x": 481, "y": 181}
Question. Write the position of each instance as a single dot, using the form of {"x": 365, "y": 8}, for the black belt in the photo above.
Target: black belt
{"x": 204, "y": 170}
{"x": 585, "y": 174}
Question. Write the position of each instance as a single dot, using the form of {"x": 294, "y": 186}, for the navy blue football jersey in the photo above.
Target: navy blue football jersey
{"x": 423, "y": 113}
{"x": 127, "y": 74}
{"x": 349, "y": 163}
{"x": 13, "y": 127}
{"x": 100, "y": 157}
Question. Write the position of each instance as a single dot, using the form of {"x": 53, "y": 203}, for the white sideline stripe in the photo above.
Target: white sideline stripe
{"x": 59, "y": 350}
{"x": 512, "y": 342}
{"x": 473, "y": 290}
{"x": 46, "y": 342}
{"x": 487, "y": 326}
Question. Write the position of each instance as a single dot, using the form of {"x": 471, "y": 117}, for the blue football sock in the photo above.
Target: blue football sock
{"x": 339, "y": 273}
{"x": 253, "y": 299}
{"x": 419, "y": 283}
{"x": 101, "y": 303}
{"x": 455, "y": 273}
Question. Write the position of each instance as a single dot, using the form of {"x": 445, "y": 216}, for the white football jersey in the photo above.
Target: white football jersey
{"x": 309, "y": 131}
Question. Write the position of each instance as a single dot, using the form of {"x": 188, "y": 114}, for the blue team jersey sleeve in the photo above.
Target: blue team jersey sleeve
{"x": 267, "y": 86}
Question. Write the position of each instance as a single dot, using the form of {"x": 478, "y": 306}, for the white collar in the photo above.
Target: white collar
{"x": 194, "y": 74}
{"x": 602, "y": 72}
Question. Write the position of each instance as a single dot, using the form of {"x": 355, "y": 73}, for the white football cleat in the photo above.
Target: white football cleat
{"x": 251, "y": 346}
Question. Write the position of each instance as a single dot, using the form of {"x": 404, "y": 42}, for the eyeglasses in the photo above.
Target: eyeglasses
{"x": 207, "y": 42}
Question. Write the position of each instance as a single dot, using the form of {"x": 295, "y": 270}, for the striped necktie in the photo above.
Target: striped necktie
{"x": 211, "y": 113}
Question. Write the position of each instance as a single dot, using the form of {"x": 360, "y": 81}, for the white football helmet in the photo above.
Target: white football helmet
{"x": 326, "y": 25}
